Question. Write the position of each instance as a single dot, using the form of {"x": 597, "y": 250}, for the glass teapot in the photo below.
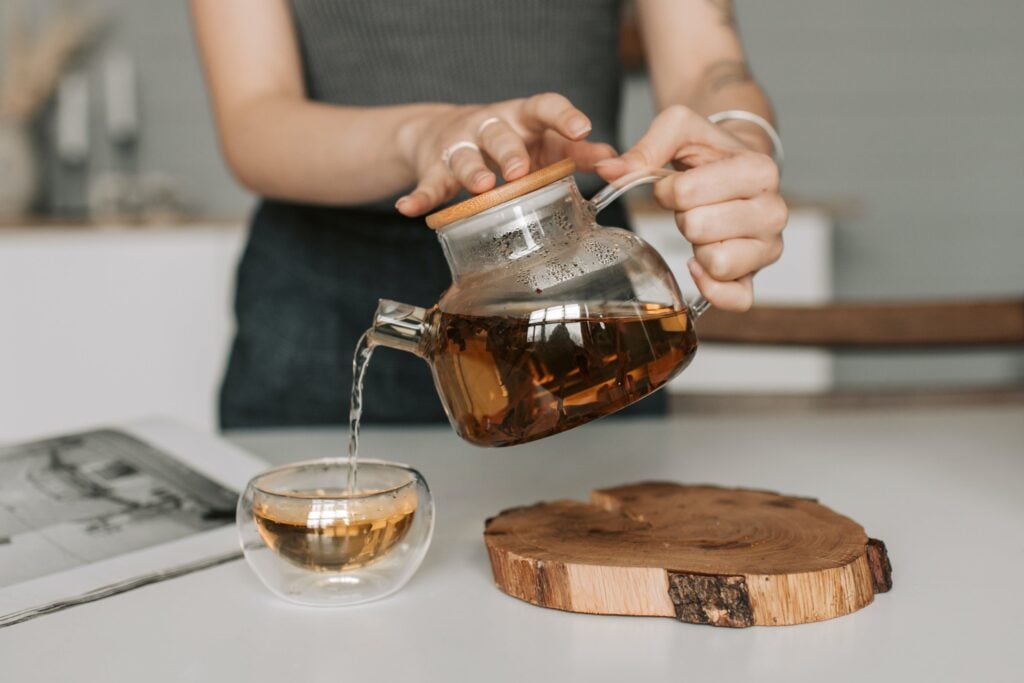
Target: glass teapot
{"x": 551, "y": 320}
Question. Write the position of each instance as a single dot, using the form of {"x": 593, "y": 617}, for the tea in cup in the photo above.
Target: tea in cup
{"x": 314, "y": 540}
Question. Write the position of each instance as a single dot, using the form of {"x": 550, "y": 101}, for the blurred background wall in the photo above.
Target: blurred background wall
{"x": 904, "y": 120}
{"x": 908, "y": 117}
{"x": 914, "y": 110}
{"x": 176, "y": 133}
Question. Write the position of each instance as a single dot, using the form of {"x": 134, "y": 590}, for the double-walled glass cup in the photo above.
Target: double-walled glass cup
{"x": 314, "y": 542}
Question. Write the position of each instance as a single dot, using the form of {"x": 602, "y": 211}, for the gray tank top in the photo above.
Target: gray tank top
{"x": 379, "y": 52}
{"x": 310, "y": 277}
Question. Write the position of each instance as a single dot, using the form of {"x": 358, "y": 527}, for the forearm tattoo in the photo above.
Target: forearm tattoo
{"x": 726, "y": 72}
{"x": 725, "y": 9}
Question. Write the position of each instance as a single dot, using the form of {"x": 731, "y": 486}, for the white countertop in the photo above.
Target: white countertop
{"x": 943, "y": 489}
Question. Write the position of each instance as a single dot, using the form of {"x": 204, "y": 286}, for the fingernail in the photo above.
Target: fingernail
{"x": 578, "y": 126}
{"x": 696, "y": 270}
{"x": 479, "y": 178}
{"x": 401, "y": 200}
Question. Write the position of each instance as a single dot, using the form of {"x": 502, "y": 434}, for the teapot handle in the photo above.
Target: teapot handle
{"x": 619, "y": 187}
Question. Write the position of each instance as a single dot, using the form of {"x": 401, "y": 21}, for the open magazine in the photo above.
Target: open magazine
{"x": 95, "y": 513}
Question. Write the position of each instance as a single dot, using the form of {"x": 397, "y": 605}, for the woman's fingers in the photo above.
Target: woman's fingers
{"x": 500, "y": 143}
{"x": 554, "y": 147}
{"x": 736, "y": 258}
{"x": 740, "y": 176}
{"x": 551, "y": 110}
{"x": 736, "y": 295}
{"x": 507, "y": 138}
{"x": 676, "y": 134}
{"x": 436, "y": 185}
{"x": 468, "y": 167}
{"x": 587, "y": 154}
{"x": 726, "y": 202}
{"x": 761, "y": 216}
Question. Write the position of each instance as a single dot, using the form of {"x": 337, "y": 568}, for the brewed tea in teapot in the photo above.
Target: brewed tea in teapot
{"x": 509, "y": 379}
{"x": 551, "y": 320}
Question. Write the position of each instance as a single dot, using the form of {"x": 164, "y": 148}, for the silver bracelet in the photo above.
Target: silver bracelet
{"x": 750, "y": 117}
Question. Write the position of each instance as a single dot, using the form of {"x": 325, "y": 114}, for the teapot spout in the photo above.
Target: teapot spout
{"x": 399, "y": 326}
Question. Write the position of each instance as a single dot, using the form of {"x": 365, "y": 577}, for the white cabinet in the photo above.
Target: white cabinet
{"x": 99, "y": 325}
{"x": 802, "y": 276}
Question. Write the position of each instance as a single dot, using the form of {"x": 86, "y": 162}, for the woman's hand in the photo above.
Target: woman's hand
{"x": 725, "y": 197}
{"x": 513, "y": 137}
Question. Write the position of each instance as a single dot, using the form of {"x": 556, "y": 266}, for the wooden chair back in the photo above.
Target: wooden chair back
{"x": 932, "y": 324}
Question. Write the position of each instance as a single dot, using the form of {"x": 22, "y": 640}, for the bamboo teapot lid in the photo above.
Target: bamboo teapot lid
{"x": 501, "y": 194}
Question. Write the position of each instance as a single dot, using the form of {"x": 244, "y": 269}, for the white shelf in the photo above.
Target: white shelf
{"x": 802, "y": 276}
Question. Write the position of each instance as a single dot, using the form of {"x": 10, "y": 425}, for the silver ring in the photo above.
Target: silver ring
{"x": 446, "y": 156}
{"x": 485, "y": 123}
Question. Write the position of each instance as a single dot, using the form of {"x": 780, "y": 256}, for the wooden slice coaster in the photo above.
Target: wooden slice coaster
{"x": 701, "y": 554}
